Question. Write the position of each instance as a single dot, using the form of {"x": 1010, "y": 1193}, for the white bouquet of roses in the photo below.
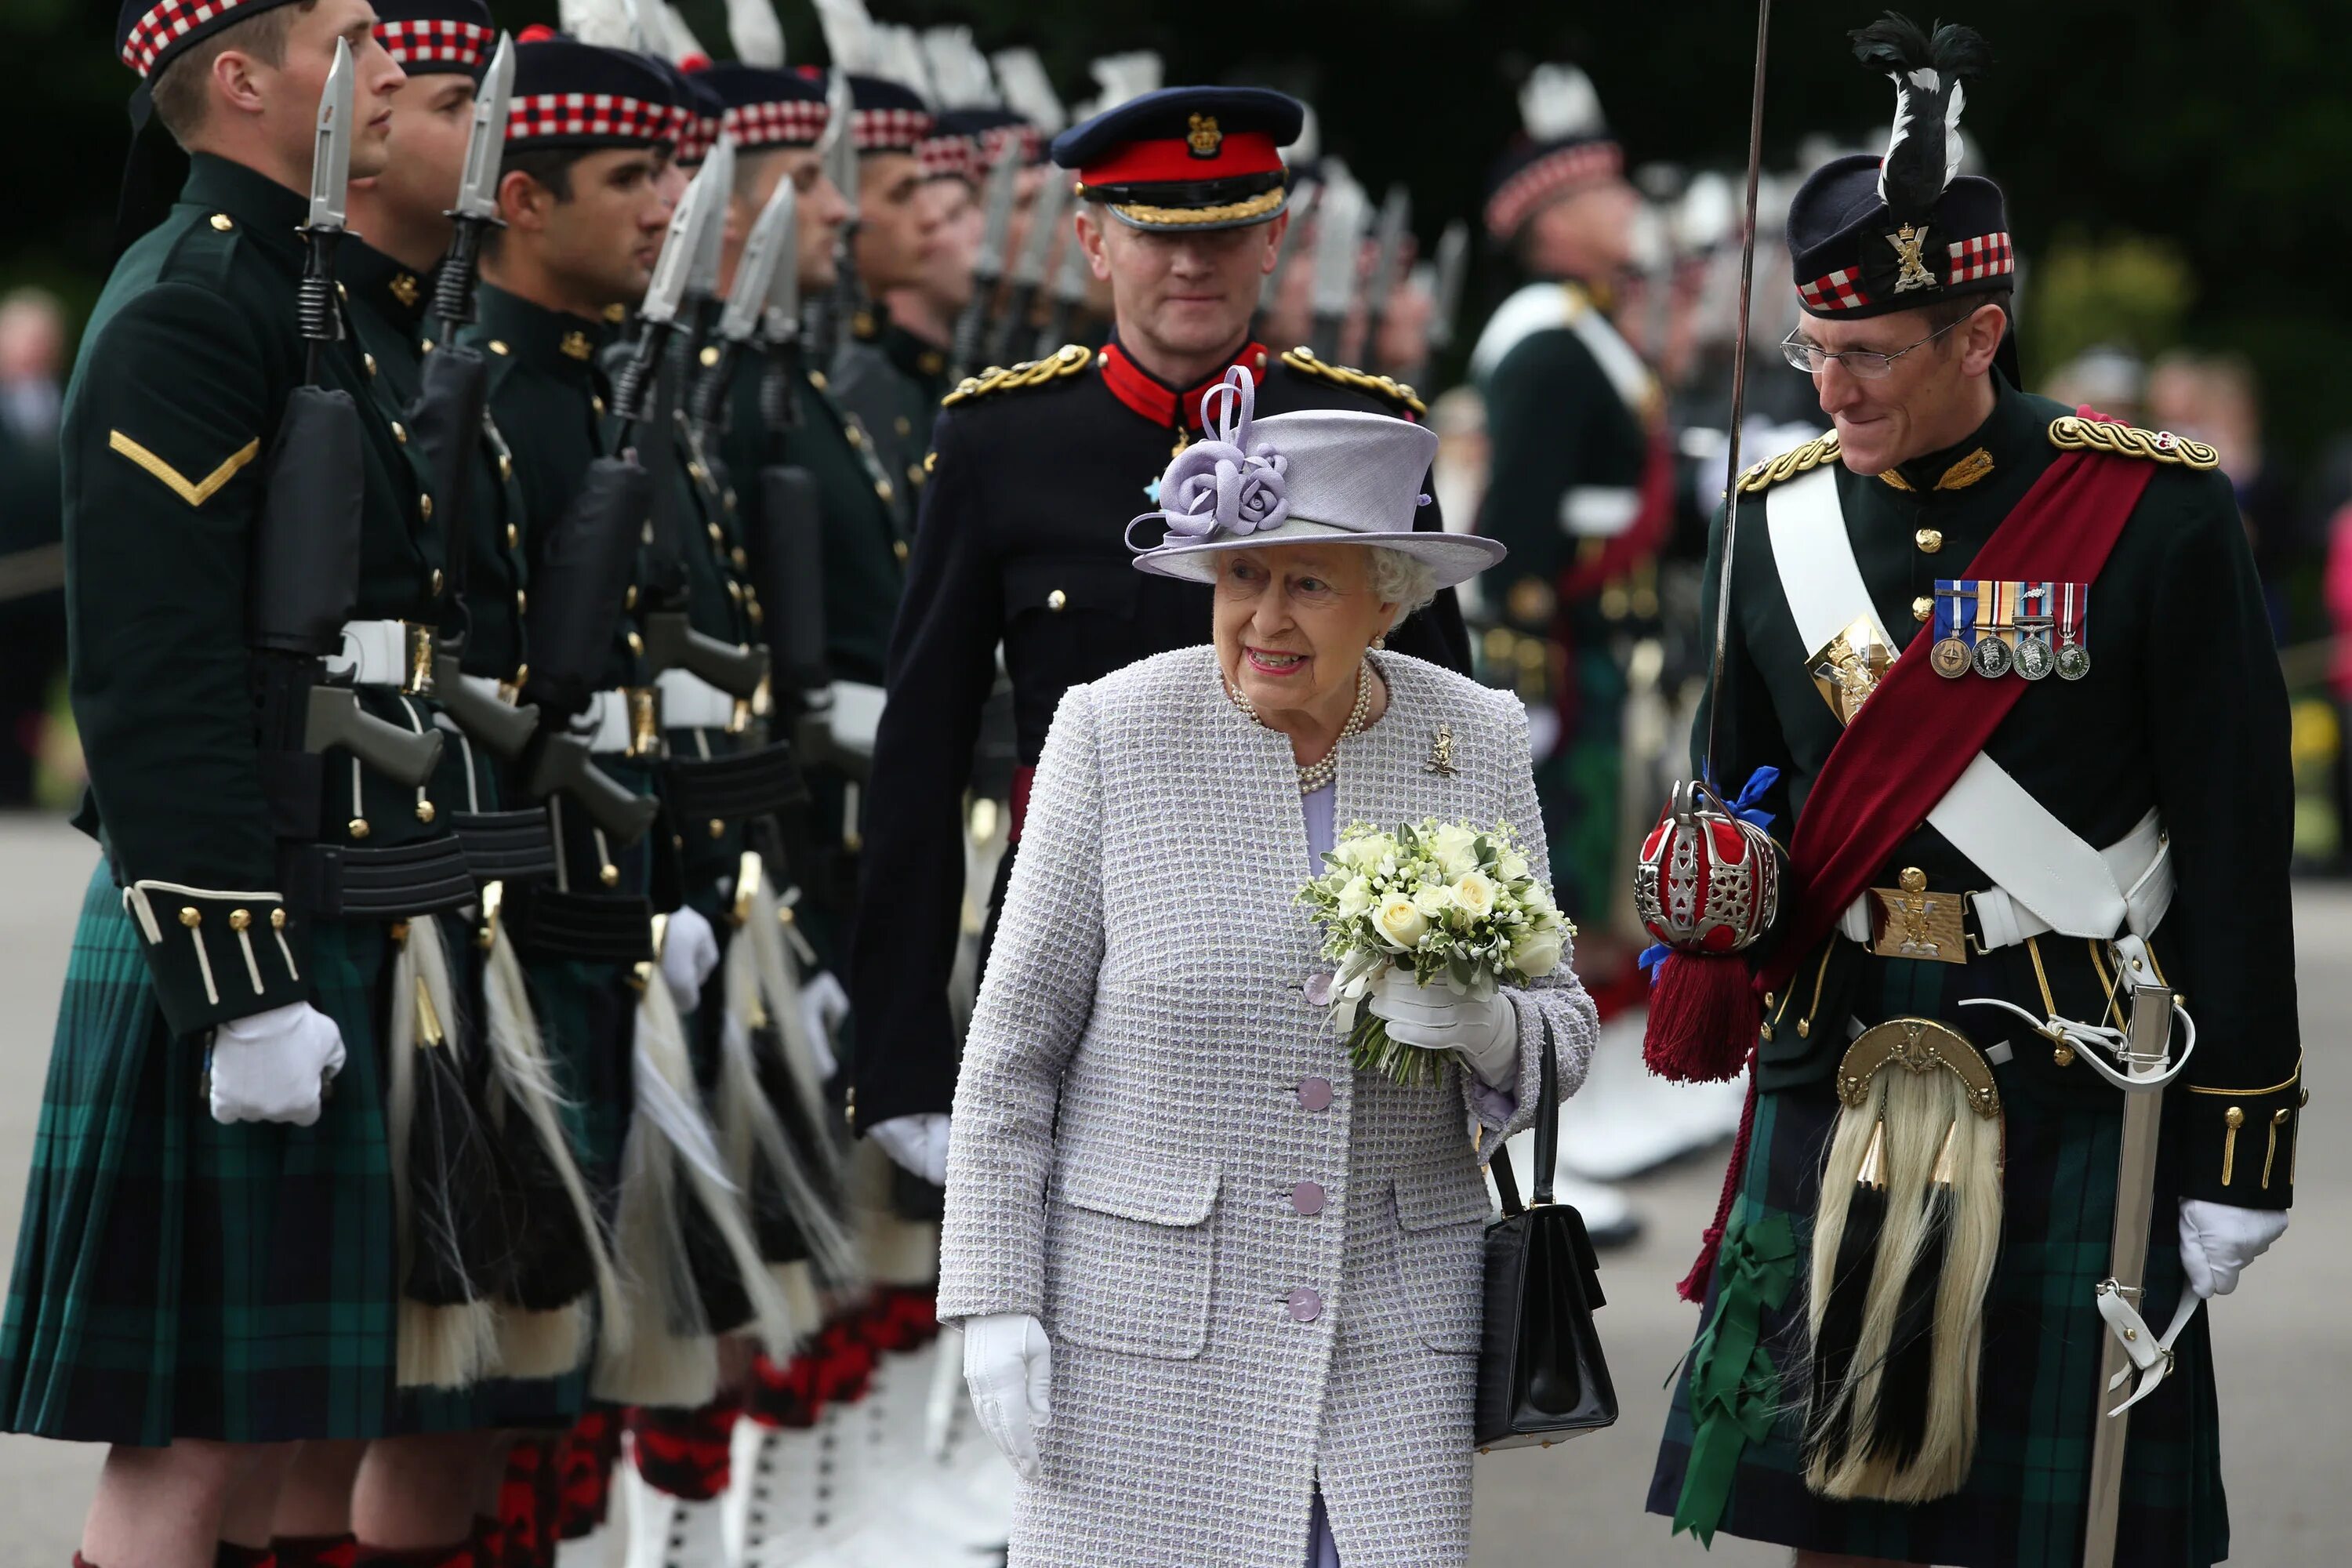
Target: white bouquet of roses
{"x": 1456, "y": 905}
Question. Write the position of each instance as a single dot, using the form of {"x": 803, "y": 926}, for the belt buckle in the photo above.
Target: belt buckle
{"x": 644, "y": 719}
{"x": 1910, "y": 921}
{"x": 417, "y": 639}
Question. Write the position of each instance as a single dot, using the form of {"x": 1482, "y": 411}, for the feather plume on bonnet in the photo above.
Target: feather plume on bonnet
{"x": 1923, "y": 154}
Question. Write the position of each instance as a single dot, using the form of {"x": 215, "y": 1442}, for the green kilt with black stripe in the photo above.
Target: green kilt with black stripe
{"x": 2023, "y": 1503}
{"x": 175, "y": 1277}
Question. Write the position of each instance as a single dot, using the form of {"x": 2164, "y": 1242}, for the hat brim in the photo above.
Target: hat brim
{"x": 1458, "y": 557}
{"x": 1246, "y": 214}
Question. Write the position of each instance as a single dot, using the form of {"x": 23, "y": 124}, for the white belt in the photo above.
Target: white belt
{"x": 855, "y": 716}
{"x": 375, "y": 653}
{"x": 690, "y": 703}
{"x": 1599, "y": 512}
{"x": 2140, "y": 863}
{"x": 605, "y": 723}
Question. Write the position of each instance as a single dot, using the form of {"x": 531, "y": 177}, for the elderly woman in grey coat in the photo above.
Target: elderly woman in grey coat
{"x": 1221, "y": 1294}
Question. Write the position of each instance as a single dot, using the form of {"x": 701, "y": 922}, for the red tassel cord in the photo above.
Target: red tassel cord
{"x": 1694, "y": 1285}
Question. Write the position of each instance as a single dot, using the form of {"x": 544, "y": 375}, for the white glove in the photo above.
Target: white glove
{"x": 1008, "y": 1364}
{"x": 689, "y": 952}
{"x": 824, "y": 1005}
{"x": 1485, "y": 1029}
{"x": 919, "y": 1142}
{"x": 274, "y": 1065}
{"x": 2218, "y": 1240}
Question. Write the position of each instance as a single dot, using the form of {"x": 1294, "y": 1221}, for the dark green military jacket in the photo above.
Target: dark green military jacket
{"x": 893, "y": 381}
{"x": 865, "y": 543}
{"x": 1567, "y": 447}
{"x": 181, "y": 384}
{"x": 2183, "y": 709}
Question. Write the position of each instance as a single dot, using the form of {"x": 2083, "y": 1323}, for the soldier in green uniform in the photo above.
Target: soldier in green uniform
{"x": 1575, "y": 419}
{"x": 190, "y": 1287}
{"x": 2009, "y": 816}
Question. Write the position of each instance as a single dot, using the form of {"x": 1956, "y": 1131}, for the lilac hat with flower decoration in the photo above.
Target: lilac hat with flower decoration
{"x": 1323, "y": 476}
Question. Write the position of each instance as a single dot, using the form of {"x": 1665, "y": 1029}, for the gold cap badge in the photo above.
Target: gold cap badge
{"x": 1205, "y": 138}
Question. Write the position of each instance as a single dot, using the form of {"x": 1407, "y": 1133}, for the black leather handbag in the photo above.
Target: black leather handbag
{"x": 1541, "y": 1376}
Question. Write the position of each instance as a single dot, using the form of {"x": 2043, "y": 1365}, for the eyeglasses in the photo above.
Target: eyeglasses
{"x": 1862, "y": 364}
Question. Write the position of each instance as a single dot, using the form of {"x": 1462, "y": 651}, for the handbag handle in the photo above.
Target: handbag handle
{"x": 1507, "y": 1182}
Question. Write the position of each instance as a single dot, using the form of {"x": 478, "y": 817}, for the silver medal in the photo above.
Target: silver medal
{"x": 2073, "y": 662}
{"x": 1991, "y": 657}
{"x": 2034, "y": 659}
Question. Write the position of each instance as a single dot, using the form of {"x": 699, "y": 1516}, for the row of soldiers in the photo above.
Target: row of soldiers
{"x": 532, "y": 672}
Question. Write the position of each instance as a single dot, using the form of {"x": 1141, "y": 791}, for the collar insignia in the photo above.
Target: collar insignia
{"x": 1977, "y": 465}
{"x": 1203, "y": 139}
{"x": 1908, "y": 242}
{"x": 617, "y": 314}
{"x": 403, "y": 289}
{"x": 575, "y": 345}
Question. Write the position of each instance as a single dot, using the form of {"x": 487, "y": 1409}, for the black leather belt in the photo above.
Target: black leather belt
{"x": 507, "y": 845}
{"x": 347, "y": 882}
{"x": 548, "y": 924}
{"x": 730, "y": 789}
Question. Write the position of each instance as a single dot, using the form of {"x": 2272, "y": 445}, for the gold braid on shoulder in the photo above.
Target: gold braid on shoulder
{"x": 1067, "y": 360}
{"x": 1304, "y": 360}
{"x": 2072, "y": 433}
{"x": 1789, "y": 464}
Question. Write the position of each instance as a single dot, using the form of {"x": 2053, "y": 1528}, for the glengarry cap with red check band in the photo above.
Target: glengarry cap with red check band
{"x": 694, "y": 109}
{"x": 1565, "y": 146}
{"x": 763, "y": 109}
{"x": 446, "y": 37}
{"x": 1187, "y": 157}
{"x": 1870, "y": 234}
{"x": 571, "y": 94}
{"x": 965, "y": 144}
{"x": 884, "y": 116}
{"x": 150, "y": 34}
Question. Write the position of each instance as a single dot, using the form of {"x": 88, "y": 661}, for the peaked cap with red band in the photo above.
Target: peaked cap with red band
{"x": 571, "y": 94}
{"x": 1187, "y": 157}
{"x": 450, "y": 37}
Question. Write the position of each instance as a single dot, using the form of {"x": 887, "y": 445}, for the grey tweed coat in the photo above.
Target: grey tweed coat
{"x": 1135, "y": 1118}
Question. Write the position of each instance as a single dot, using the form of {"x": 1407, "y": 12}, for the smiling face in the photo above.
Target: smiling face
{"x": 1180, "y": 293}
{"x": 1930, "y": 397}
{"x": 1292, "y": 623}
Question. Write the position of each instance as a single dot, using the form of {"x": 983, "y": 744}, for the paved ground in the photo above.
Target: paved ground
{"x": 2286, "y": 1421}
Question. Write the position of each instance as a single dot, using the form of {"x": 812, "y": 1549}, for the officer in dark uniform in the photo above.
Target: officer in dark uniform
{"x": 1576, "y": 422}
{"x": 228, "y": 951}
{"x": 2132, "y": 787}
{"x": 1034, "y": 470}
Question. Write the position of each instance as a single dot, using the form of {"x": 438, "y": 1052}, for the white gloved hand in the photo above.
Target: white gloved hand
{"x": 1485, "y": 1029}
{"x": 919, "y": 1142}
{"x": 689, "y": 952}
{"x": 2218, "y": 1240}
{"x": 824, "y": 1005}
{"x": 274, "y": 1065}
{"x": 1008, "y": 1364}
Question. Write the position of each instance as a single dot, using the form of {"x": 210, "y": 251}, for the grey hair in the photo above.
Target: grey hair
{"x": 1406, "y": 581}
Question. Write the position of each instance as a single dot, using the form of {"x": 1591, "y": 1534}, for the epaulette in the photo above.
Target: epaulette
{"x": 1789, "y": 464}
{"x": 2073, "y": 433}
{"x": 1303, "y": 359}
{"x": 1067, "y": 360}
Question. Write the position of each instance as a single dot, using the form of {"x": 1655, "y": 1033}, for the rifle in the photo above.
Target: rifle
{"x": 836, "y": 153}
{"x": 307, "y": 566}
{"x": 1395, "y": 228}
{"x": 988, "y": 267}
{"x": 643, "y": 392}
{"x": 1029, "y": 269}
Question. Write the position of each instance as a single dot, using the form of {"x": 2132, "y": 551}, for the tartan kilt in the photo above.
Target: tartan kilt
{"x": 175, "y": 1277}
{"x": 2023, "y": 1503}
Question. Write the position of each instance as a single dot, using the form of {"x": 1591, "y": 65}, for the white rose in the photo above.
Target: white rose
{"x": 1537, "y": 953}
{"x": 1474, "y": 895}
{"x": 1400, "y": 924}
{"x": 1512, "y": 867}
{"x": 1434, "y": 901}
{"x": 1356, "y": 897}
{"x": 1456, "y": 848}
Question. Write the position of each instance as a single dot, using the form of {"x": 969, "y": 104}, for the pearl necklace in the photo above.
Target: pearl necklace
{"x": 1315, "y": 776}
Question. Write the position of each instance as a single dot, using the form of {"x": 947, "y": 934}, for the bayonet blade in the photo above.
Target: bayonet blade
{"x": 1338, "y": 246}
{"x": 1303, "y": 196}
{"x": 1452, "y": 264}
{"x": 485, "y": 146}
{"x": 719, "y": 171}
{"x": 783, "y": 321}
{"x": 1070, "y": 277}
{"x": 1003, "y": 191}
{"x": 678, "y": 246}
{"x": 1388, "y": 252}
{"x": 331, "y": 159}
{"x": 836, "y": 150}
{"x": 763, "y": 255}
{"x": 1044, "y": 222}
